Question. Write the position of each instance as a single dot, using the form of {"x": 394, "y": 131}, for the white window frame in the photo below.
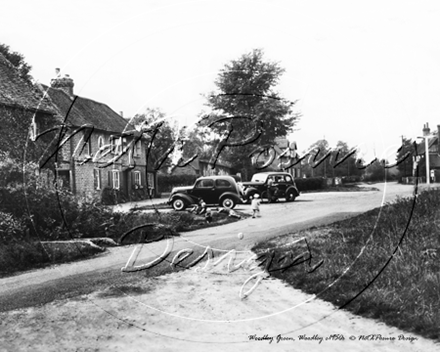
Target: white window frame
{"x": 150, "y": 178}
{"x": 87, "y": 143}
{"x": 116, "y": 144}
{"x": 137, "y": 149}
{"x": 98, "y": 183}
{"x": 116, "y": 181}
{"x": 100, "y": 142}
{"x": 137, "y": 178}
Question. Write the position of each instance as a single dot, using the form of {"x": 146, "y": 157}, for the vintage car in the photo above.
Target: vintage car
{"x": 221, "y": 190}
{"x": 282, "y": 186}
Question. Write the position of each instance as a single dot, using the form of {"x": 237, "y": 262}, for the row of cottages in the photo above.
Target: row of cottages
{"x": 103, "y": 150}
{"x": 278, "y": 157}
{"x": 434, "y": 152}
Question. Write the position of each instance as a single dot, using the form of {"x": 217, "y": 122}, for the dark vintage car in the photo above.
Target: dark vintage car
{"x": 221, "y": 190}
{"x": 283, "y": 186}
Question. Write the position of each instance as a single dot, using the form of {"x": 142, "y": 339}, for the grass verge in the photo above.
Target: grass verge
{"x": 126, "y": 228}
{"x": 383, "y": 264}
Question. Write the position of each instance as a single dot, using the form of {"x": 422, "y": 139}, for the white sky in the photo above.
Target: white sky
{"x": 365, "y": 72}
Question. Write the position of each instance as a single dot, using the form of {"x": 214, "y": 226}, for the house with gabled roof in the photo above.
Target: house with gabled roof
{"x": 278, "y": 157}
{"x": 433, "y": 152}
{"x": 98, "y": 150}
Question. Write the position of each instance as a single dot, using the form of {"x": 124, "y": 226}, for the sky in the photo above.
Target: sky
{"x": 364, "y": 72}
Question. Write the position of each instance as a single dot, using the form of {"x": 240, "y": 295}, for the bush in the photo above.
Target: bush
{"x": 351, "y": 179}
{"x": 11, "y": 229}
{"x": 310, "y": 184}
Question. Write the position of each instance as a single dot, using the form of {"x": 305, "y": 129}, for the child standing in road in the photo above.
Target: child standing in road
{"x": 255, "y": 206}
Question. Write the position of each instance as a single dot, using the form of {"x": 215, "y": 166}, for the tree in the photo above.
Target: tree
{"x": 162, "y": 133}
{"x": 313, "y": 167}
{"x": 17, "y": 60}
{"x": 246, "y": 108}
{"x": 405, "y": 166}
{"x": 197, "y": 142}
{"x": 348, "y": 166}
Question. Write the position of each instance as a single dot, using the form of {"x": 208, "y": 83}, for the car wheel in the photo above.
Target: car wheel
{"x": 179, "y": 204}
{"x": 290, "y": 197}
{"x": 228, "y": 203}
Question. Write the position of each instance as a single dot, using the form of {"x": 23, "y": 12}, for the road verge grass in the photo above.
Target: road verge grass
{"x": 383, "y": 264}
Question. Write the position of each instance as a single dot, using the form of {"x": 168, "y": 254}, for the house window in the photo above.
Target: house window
{"x": 100, "y": 142}
{"x": 150, "y": 179}
{"x": 97, "y": 178}
{"x": 115, "y": 143}
{"x": 137, "y": 149}
{"x": 87, "y": 142}
{"x": 115, "y": 179}
{"x": 137, "y": 178}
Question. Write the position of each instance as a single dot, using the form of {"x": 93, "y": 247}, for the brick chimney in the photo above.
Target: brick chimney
{"x": 64, "y": 83}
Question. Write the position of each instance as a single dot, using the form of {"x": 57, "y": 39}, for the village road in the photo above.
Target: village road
{"x": 199, "y": 310}
{"x": 310, "y": 209}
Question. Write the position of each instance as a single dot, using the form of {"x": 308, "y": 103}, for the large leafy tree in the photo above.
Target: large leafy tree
{"x": 313, "y": 165}
{"x": 347, "y": 167}
{"x": 18, "y": 61}
{"x": 162, "y": 134}
{"x": 247, "y": 110}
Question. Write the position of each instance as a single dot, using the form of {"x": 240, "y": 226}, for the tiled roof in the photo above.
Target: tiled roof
{"x": 432, "y": 145}
{"x": 86, "y": 111}
{"x": 16, "y": 92}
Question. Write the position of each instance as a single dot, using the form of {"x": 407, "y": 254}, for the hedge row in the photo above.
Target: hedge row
{"x": 310, "y": 184}
{"x": 167, "y": 182}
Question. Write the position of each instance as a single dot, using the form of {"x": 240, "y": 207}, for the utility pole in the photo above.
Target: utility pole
{"x": 426, "y": 131}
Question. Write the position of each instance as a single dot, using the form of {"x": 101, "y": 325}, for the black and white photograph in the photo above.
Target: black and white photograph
{"x": 219, "y": 175}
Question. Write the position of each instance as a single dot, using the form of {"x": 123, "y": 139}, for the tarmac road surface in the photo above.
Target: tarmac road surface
{"x": 310, "y": 209}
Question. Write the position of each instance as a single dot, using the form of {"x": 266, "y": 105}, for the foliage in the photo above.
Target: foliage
{"x": 163, "y": 135}
{"x": 406, "y": 293}
{"x": 18, "y": 61}
{"x": 405, "y": 167}
{"x": 245, "y": 92}
{"x": 11, "y": 228}
{"x": 197, "y": 142}
{"x": 310, "y": 183}
{"x": 327, "y": 167}
{"x": 167, "y": 182}
{"x": 376, "y": 172}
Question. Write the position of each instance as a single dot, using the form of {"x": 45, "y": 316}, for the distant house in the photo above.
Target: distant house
{"x": 278, "y": 157}
{"x": 434, "y": 153}
{"x": 21, "y": 106}
{"x": 103, "y": 151}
